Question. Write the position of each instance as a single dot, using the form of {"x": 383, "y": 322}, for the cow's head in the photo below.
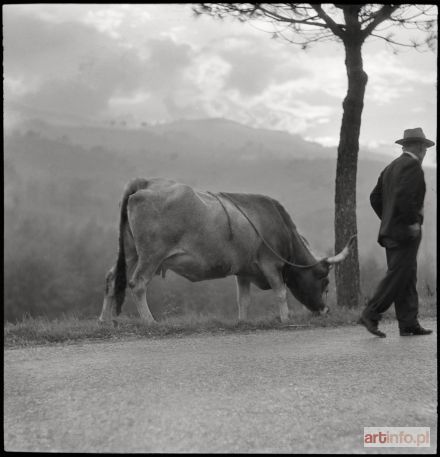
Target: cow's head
{"x": 309, "y": 285}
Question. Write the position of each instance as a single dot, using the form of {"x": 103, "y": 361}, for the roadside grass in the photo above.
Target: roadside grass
{"x": 69, "y": 329}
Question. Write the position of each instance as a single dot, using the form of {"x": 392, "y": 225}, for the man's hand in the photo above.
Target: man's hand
{"x": 414, "y": 230}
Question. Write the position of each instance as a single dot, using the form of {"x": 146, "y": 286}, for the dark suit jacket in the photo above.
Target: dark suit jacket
{"x": 398, "y": 199}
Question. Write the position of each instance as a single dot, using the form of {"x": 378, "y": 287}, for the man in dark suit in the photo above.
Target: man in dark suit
{"x": 398, "y": 201}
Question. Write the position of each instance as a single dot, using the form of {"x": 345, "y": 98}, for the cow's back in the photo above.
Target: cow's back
{"x": 172, "y": 221}
{"x": 202, "y": 236}
{"x": 164, "y": 208}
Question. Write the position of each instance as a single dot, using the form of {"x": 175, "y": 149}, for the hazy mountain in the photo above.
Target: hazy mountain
{"x": 80, "y": 172}
{"x": 204, "y": 136}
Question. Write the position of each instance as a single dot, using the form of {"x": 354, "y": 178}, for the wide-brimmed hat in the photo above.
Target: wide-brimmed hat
{"x": 415, "y": 135}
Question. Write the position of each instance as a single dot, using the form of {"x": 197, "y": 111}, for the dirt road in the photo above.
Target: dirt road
{"x": 268, "y": 391}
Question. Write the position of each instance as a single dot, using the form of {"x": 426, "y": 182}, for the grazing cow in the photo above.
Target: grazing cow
{"x": 165, "y": 225}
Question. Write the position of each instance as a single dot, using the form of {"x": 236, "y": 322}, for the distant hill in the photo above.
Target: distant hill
{"x": 80, "y": 171}
{"x": 206, "y": 136}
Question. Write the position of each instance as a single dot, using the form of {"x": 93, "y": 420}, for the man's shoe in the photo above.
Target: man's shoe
{"x": 371, "y": 326}
{"x": 417, "y": 330}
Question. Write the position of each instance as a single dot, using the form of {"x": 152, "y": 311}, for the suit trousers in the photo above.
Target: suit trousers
{"x": 398, "y": 286}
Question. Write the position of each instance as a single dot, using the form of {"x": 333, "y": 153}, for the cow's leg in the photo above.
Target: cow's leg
{"x": 143, "y": 274}
{"x": 275, "y": 279}
{"x": 140, "y": 297}
{"x": 243, "y": 297}
{"x": 281, "y": 294}
{"x": 109, "y": 298}
{"x": 109, "y": 305}
{"x": 138, "y": 287}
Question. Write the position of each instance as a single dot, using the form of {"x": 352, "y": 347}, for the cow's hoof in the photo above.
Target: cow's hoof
{"x": 325, "y": 311}
{"x": 148, "y": 321}
{"x": 103, "y": 323}
{"x": 115, "y": 324}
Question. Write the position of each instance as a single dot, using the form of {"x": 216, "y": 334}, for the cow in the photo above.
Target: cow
{"x": 166, "y": 225}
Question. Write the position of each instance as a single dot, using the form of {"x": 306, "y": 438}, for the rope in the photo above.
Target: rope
{"x": 227, "y": 214}
{"x": 228, "y": 197}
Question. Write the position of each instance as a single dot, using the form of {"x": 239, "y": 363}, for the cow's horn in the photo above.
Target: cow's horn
{"x": 342, "y": 255}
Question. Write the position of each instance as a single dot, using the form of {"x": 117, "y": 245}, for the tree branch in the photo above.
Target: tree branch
{"x": 337, "y": 29}
{"x": 361, "y": 20}
{"x": 282, "y": 18}
{"x": 391, "y": 42}
{"x": 382, "y": 15}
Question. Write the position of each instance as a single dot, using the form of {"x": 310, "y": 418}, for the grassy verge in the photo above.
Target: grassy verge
{"x": 39, "y": 331}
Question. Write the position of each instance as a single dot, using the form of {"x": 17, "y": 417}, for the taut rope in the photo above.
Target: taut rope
{"x": 228, "y": 197}
{"x": 231, "y": 235}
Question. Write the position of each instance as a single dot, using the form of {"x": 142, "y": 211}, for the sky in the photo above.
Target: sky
{"x": 95, "y": 63}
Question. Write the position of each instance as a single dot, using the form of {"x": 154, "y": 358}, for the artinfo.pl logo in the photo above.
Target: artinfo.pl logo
{"x": 396, "y": 436}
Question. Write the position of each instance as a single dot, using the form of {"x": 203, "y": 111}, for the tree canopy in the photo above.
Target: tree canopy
{"x": 306, "y": 23}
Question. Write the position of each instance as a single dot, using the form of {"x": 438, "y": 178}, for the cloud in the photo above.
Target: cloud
{"x": 403, "y": 73}
{"x": 255, "y": 63}
{"x": 166, "y": 64}
{"x": 37, "y": 49}
{"x": 75, "y": 68}
{"x": 68, "y": 97}
{"x": 98, "y": 66}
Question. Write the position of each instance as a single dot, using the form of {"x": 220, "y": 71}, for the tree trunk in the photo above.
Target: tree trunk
{"x": 347, "y": 273}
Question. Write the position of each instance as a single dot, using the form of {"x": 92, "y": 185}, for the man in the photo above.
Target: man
{"x": 398, "y": 201}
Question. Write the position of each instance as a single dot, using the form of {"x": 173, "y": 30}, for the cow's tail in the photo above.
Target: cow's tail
{"x": 121, "y": 267}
